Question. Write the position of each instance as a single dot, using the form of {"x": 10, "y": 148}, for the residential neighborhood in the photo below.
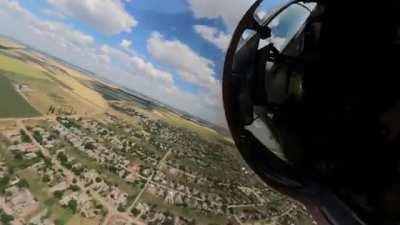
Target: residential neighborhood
{"x": 111, "y": 170}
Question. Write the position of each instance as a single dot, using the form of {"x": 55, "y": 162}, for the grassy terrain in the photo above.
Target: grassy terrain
{"x": 19, "y": 67}
{"x": 50, "y": 84}
{"x": 37, "y": 187}
{"x": 8, "y": 125}
{"x": 12, "y": 103}
{"x": 78, "y": 220}
{"x": 200, "y": 218}
{"x": 47, "y": 200}
{"x": 73, "y": 84}
{"x": 39, "y": 190}
{"x": 205, "y": 132}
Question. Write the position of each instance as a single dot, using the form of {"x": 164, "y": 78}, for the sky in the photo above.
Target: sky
{"x": 170, "y": 50}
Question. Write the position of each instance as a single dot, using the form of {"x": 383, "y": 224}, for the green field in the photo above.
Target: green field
{"x": 12, "y": 103}
{"x": 19, "y": 67}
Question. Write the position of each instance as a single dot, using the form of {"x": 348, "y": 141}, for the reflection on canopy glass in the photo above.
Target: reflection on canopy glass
{"x": 284, "y": 27}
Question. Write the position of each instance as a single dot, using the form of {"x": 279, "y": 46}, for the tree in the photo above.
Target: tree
{"x": 23, "y": 184}
{"x": 62, "y": 157}
{"x": 24, "y": 137}
{"x": 121, "y": 208}
{"x": 73, "y": 205}
{"x": 47, "y": 162}
{"x": 4, "y": 183}
{"x": 18, "y": 156}
{"x": 5, "y": 218}
{"x": 46, "y": 178}
{"x": 38, "y": 136}
{"x": 74, "y": 188}
{"x": 58, "y": 194}
{"x": 90, "y": 146}
{"x": 135, "y": 211}
{"x": 58, "y": 222}
{"x": 77, "y": 170}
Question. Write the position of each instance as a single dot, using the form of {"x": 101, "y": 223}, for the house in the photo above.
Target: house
{"x": 133, "y": 168}
{"x": 117, "y": 196}
{"x": 3, "y": 169}
{"x": 40, "y": 219}
{"x": 30, "y": 155}
{"x": 24, "y": 147}
{"x": 59, "y": 187}
{"x": 20, "y": 201}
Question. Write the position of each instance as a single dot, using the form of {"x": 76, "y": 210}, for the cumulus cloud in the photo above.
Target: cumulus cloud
{"x": 122, "y": 67}
{"x": 106, "y": 16}
{"x": 125, "y": 44}
{"x": 53, "y": 13}
{"x": 61, "y": 32}
{"x": 214, "y": 9}
{"x": 190, "y": 66}
{"x": 194, "y": 69}
{"x": 138, "y": 66}
{"x": 13, "y": 15}
{"x": 213, "y": 35}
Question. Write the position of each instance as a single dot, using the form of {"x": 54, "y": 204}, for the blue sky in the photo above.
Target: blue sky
{"x": 169, "y": 50}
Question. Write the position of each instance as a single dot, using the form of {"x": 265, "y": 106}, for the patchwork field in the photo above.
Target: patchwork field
{"x": 49, "y": 85}
{"x": 54, "y": 85}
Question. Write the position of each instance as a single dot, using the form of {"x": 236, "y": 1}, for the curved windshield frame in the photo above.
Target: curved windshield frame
{"x": 287, "y": 24}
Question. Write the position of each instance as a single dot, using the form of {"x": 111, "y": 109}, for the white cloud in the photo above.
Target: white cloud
{"x": 190, "y": 66}
{"x": 16, "y": 20}
{"x": 122, "y": 67}
{"x": 53, "y": 13}
{"x": 106, "y": 16}
{"x": 61, "y": 32}
{"x": 138, "y": 66}
{"x": 125, "y": 44}
{"x": 229, "y": 12}
{"x": 211, "y": 34}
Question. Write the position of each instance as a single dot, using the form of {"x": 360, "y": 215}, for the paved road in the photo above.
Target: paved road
{"x": 149, "y": 179}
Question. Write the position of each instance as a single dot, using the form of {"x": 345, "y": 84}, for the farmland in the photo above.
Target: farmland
{"x": 49, "y": 84}
{"x": 12, "y": 103}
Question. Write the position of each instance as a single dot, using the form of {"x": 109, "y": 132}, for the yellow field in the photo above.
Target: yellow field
{"x": 77, "y": 88}
{"x": 22, "y": 68}
{"x": 55, "y": 84}
{"x": 205, "y": 132}
{"x": 52, "y": 85}
{"x": 8, "y": 125}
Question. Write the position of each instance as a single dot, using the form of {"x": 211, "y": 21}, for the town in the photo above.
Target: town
{"x": 125, "y": 167}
